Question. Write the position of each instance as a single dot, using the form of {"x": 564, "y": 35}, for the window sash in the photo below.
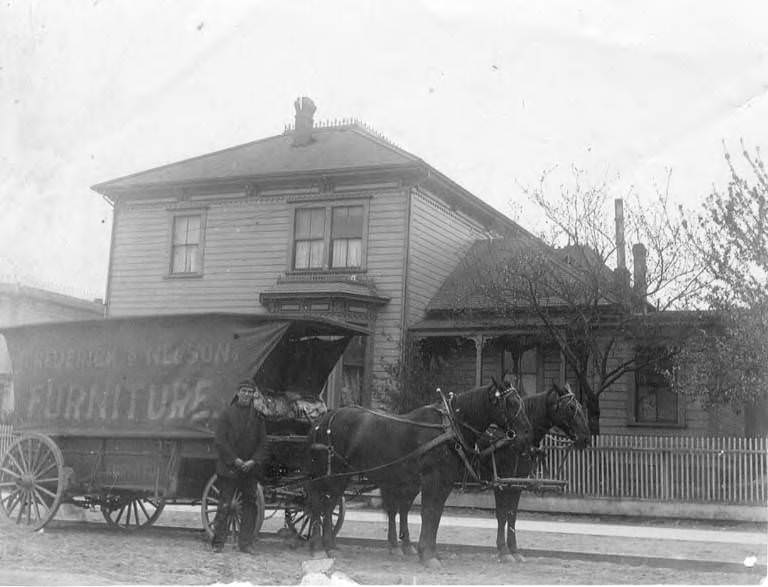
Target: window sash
{"x": 328, "y": 237}
{"x": 185, "y": 247}
{"x": 346, "y": 252}
{"x": 308, "y": 254}
{"x": 347, "y": 222}
{"x": 655, "y": 402}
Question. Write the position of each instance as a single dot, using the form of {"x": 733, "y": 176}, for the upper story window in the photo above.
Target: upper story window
{"x": 329, "y": 237}
{"x": 347, "y": 236}
{"x": 655, "y": 401}
{"x": 186, "y": 242}
{"x": 309, "y": 237}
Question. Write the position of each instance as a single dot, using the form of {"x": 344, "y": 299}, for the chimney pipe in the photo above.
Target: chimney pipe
{"x": 621, "y": 255}
{"x": 639, "y": 253}
{"x": 622, "y": 273}
{"x": 305, "y": 111}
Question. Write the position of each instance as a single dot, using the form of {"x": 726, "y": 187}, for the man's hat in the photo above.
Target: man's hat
{"x": 246, "y": 384}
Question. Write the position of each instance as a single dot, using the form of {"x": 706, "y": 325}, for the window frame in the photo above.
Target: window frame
{"x": 173, "y": 214}
{"x": 634, "y": 397}
{"x": 328, "y": 207}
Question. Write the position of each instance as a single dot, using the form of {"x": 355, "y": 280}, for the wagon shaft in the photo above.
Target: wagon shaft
{"x": 531, "y": 484}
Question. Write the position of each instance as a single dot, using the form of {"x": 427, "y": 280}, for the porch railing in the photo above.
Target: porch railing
{"x": 682, "y": 469}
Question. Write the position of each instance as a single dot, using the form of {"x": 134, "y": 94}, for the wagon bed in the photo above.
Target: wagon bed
{"x": 121, "y": 413}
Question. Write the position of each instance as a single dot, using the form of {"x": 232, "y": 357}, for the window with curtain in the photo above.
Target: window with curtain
{"x": 347, "y": 236}
{"x": 309, "y": 238}
{"x": 186, "y": 244}
{"x": 329, "y": 237}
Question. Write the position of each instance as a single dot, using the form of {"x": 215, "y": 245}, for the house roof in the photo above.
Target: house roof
{"x": 349, "y": 149}
{"x": 51, "y": 297}
{"x": 339, "y": 148}
{"x": 476, "y": 282}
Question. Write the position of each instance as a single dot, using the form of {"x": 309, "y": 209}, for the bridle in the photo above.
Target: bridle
{"x": 503, "y": 396}
{"x": 564, "y": 402}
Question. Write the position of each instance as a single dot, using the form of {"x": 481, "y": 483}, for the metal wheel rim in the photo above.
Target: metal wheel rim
{"x": 210, "y": 504}
{"x": 298, "y": 519}
{"x": 135, "y": 514}
{"x": 31, "y": 480}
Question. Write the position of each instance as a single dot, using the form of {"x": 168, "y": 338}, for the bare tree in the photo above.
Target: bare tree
{"x": 571, "y": 286}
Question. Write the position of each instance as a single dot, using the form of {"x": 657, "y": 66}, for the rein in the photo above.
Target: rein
{"x": 400, "y": 419}
{"x": 444, "y": 437}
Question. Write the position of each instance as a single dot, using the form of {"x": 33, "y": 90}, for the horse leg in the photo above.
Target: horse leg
{"x": 502, "y": 507}
{"x": 512, "y": 505}
{"x": 389, "y": 503}
{"x": 329, "y": 539}
{"x": 433, "y": 495}
{"x": 315, "y": 523}
{"x": 406, "y": 545}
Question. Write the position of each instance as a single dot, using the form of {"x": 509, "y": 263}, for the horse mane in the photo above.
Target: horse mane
{"x": 538, "y": 415}
{"x": 473, "y": 403}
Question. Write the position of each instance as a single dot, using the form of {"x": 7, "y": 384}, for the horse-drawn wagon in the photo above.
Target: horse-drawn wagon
{"x": 120, "y": 413}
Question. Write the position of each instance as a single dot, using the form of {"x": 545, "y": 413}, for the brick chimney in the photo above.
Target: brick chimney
{"x": 305, "y": 111}
{"x": 640, "y": 286}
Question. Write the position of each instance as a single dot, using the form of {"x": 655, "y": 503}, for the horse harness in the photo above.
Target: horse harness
{"x": 451, "y": 427}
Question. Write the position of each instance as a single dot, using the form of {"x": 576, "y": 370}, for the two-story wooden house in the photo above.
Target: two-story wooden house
{"x": 323, "y": 218}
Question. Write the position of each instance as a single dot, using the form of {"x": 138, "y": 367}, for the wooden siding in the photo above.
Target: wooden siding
{"x": 617, "y": 403}
{"x": 438, "y": 239}
{"x": 246, "y": 243}
{"x": 247, "y": 247}
{"x": 386, "y": 249}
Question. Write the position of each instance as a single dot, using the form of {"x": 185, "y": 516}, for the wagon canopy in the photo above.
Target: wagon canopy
{"x": 161, "y": 376}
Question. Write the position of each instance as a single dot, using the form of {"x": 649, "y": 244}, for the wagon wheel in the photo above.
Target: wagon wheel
{"x": 132, "y": 513}
{"x": 211, "y": 498}
{"x": 298, "y": 518}
{"x": 31, "y": 480}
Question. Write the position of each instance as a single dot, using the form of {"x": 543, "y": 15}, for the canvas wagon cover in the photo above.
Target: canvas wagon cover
{"x": 159, "y": 376}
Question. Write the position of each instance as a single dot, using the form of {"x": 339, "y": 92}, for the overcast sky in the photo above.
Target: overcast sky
{"x": 490, "y": 93}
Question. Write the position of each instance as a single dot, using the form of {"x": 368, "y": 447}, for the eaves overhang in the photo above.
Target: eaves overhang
{"x": 253, "y": 184}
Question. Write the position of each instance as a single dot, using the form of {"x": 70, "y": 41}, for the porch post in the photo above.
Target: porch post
{"x": 479, "y": 340}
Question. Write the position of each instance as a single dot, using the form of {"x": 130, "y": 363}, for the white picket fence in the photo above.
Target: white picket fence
{"x": 683, "y": 469}
{"x": 679, "y": 468}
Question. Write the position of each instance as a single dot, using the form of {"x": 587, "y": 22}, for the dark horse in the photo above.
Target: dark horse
{"x": 416, "y": 451}
{"x": 557, "y": 407}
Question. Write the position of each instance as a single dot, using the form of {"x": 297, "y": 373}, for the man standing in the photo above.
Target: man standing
{"x": 241, "y": 441}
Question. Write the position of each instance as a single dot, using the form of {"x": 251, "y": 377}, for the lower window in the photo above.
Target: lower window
{"x": 655, "y": 402}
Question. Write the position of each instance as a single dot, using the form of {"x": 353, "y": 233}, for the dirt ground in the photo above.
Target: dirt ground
{"x": 68, "y": 553}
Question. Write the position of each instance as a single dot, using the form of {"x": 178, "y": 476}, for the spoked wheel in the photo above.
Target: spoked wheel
{"x": 298, "y": 518}
{"x": 131, "y": 512}
{"x": 31, "y": 480}
{"x": 211, "y": 499}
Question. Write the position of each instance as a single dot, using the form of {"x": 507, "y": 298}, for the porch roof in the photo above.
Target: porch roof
{"x": 477, "y": 282}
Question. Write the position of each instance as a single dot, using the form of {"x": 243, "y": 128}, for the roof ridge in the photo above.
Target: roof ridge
{"x": 347, "y": 122}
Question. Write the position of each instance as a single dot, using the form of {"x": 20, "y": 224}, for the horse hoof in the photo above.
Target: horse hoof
{"x": 433, "y": 563}
{"x": 519, "y": 558}
{"x": 408, "y": 550}
{"x": 395, "y": 551}
{"x": 506, "y": 558}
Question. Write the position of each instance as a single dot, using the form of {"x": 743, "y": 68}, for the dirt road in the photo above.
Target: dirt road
{"x": 69, "y": 553}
